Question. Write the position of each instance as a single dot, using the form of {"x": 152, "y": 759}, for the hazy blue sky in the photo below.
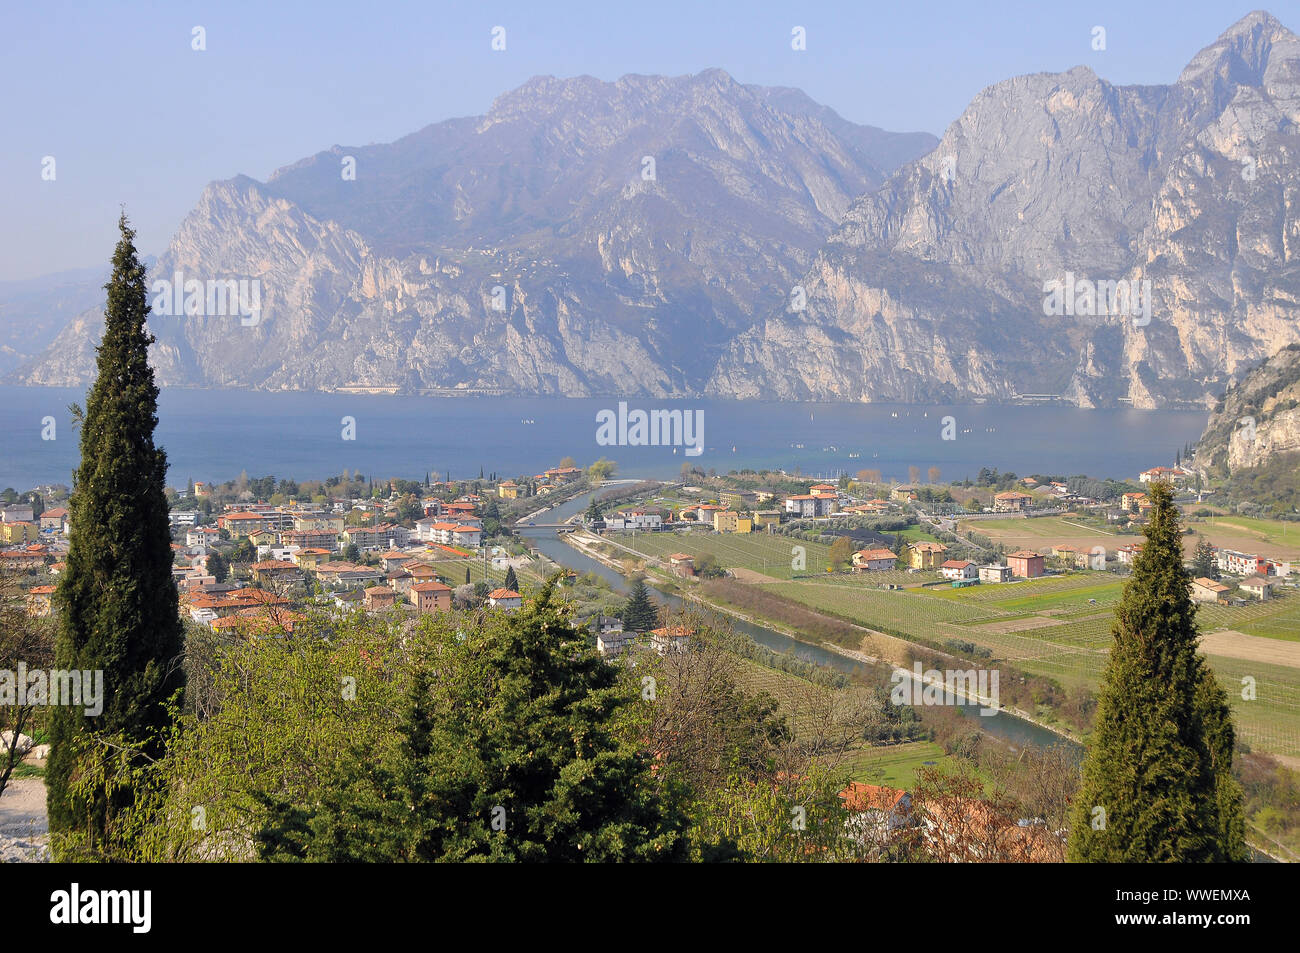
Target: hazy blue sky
{"x": 132, "y": 114}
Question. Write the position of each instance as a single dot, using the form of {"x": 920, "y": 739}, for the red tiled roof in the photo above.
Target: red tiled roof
{"x": 504, "y": 594}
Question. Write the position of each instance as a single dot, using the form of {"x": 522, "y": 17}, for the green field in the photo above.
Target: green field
{"x": 1049, "y": 627}
{"x": 770, "y": 555}
{"x": 895, "y": 766}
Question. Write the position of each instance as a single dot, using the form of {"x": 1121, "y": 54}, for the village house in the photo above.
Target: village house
{"x": 673, "y": 638}
{"x": 1128, "y": 552}
{"x": 738, "y": 499}
{"x": 874, "y": 560}
{"x": 505, "y": 599}
{"x": 765, "y": 518}
{"x": 824, "y": 489}
{"x": 877, "y": 811}
{"x": 1094, "y": 558}
{"x": 1207, "y": 590}
{"x": 243, "y": 524}
{"x": 1026, "y": 564}
{"x": 428, "y": 597}
{"x": 1132, "y": 502}
{"x": 902, "y": 493}
{"x": 1175, "y": 476}
{"x": 1012, "y": 501}
{"x": 926, "y": 555}
{"x": 22, "y": 559}
{"x": 995, "y": 574}
{"x": 400, "y": 581}
{"x": 202, "y": 536}
{"x": 39, "y": 601}
{"x": 19, "y": 532}
{"x": 727, "y": 521}
{"x": 959, "y": 569}
{"x": 55, "y": 520}
{"x": 271, "y": 571}
{"x": 508, "y": 490}
{"x": 1257, "y": 586}
{"x": 17, "y": 513}
{"x": 683, "y": 564}
{"x": 310, "y": 539}
{"x": 809, "y": 506}
{"x": 378, "y": 598}
{"x": 1241, "y": 564}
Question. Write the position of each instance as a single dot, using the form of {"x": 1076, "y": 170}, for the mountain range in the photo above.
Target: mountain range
{"x": 686, "y": 236}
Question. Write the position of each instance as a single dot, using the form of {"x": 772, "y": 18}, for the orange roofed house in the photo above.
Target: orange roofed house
{"x": 1026, "y": 564}
{"x": 429, "y": 597}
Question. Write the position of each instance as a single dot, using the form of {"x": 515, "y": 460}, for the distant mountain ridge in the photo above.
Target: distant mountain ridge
{"x": 582, "y": 237}
{"x": 528, "y": 251}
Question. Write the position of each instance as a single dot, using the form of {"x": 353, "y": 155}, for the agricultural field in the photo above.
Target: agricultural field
{"x": 1274, "y": 538}
{"x": 1060, "y": 627}
{"x": 1043, "y": 532}
{"x": 770, "y": 555}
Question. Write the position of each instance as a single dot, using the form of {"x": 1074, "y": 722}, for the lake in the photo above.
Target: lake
{"x": 214, "y": 434}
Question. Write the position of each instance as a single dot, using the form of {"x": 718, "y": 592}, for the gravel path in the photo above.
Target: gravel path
{"x": 23, "y": 823}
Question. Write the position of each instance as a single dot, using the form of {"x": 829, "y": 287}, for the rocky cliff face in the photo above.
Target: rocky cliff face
{"x": 681, "y": 236}
{"x": 581, "y": 238}
{"x": 1257, "y": 419}
{"x": 934, "y": 287}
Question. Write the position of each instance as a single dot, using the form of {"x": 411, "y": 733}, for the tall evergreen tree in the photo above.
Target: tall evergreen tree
{"x": 1157, "y": 781}
{"x": 640, "y": 614}
{"x": 1203, "y": 561}
{"x": 118, "y": 602}
{"x": 512, "y": 581}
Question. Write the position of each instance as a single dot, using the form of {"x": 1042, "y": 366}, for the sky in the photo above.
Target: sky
{"x": 133, "y": 115}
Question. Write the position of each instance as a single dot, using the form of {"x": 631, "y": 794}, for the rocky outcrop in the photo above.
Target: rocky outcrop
{"x": 1257, "y": 419}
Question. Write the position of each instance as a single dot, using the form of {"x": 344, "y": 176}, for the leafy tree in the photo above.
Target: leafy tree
{"x": 841, "y": 552}
{"x": 1157, "y": 782}
{"x": 118, "y": 605}
{"x": 512, "y": 581}
{"x": 351, "y": 553}
{"x": 640, "y": 614}
{"x": 601, "y": 470}
{"x": 1203, "y": 561}
{"x": 593, "y": 511}
{"x": 523, "y": 748}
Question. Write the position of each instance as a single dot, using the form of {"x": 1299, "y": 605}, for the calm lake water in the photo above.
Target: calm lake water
{"x": 213, "y": 435}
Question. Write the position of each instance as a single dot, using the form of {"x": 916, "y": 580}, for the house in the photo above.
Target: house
{"x": 683, "y": 564}
{"x": 765, "y": 518}
{"x": 809, "y": 506}
{"x": 959, "y": 569}
{"x": 878, "y": 810}
{"x": 428, "y": 597}
{"x": 1132, "y": 502}
{"x": 56, "y": 520}
{"x": 1207, "y": 590}
{"x": 631, "y": 520}
{"x": 400, "y": 581}
{"x": 1012, "y": 501}
{"x": 1257, "y": 586}
{"x": 468, "y": 537}
{"x": 1176, "y": 476}
{"x": 203, "y": 536}
{"x": 926, "y": 555}
{"x": 1241, "y": 564}
{"x": 310, "y": 539}
{"x": 902, "y": 493}
{"x": 874, "y": 560}
{"x": 379, "y": 597}
{"x": 508, "y": 490}
{"x": 1094, "y": 558}
{"x": 39, "y": 601}
{"x": 995, "y": 573}
{"x": 824, "y": 489}
{"x": 19, "y": 532}
{"x": 243, "y": 524}
{"x": 318, "y": 522}
{"x": 19, "y": 560}
{"x": 505, "y": 599}
{"x": 17, "y": 513}
{"x": 270, "y": 571}
{"x": 738, "y": 499}
{"x": 673, "y": 638}
{"x": 1026, "y": 564}
{"x": 724, "y": 521}
{"x": 1128, "y": 552}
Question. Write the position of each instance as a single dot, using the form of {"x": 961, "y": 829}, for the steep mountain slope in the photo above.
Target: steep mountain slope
{"x": 1257, "y": 420}
{"x": 934, "y": 287}
{"x": 582, "y": 237}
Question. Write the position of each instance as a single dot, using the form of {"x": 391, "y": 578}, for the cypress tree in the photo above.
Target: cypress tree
{"x": 640, "y": 614}
{"x": 117, "y": 600}
{"x": 1157, "y": 780}
{"x": 512, "y": 581}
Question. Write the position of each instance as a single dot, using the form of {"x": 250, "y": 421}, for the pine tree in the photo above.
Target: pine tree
{"x": 118, "y": 602}
{"x": 512, "y": 581}
{"x": 1157, "y": 781}
{"x": 640, "y": 614}
{"x": 1203, "y": 561}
